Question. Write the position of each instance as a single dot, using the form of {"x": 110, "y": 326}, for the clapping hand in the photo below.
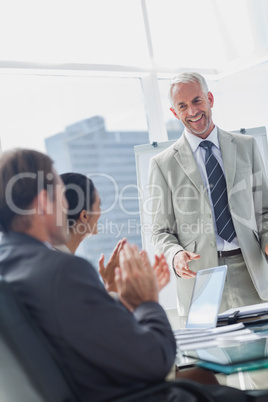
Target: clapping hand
{"x": 160, "y": 268}
{"x": 135, "y": 279}
{"x": 107, "y": 273}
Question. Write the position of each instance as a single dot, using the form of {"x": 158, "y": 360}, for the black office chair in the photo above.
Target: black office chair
{"x": 29, "y": 371}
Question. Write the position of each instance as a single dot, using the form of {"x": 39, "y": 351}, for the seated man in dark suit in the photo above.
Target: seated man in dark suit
{"x": 108, "y": 347}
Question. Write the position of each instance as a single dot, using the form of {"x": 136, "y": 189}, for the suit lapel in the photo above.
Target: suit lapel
{"x": 228, "y": 152}
{"x": 185, "y": 159}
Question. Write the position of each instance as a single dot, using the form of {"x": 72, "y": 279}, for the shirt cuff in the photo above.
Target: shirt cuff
{"x": 173, "y": 263}
{"x": 172, "y": 374}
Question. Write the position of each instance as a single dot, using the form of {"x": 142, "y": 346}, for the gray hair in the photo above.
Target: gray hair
{"x": 185, "y": 78}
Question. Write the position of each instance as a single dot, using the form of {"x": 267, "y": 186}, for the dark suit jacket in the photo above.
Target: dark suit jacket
{"x": 106, "y": 350}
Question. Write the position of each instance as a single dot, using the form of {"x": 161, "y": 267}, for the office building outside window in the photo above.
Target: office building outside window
{"x": 107, "y": 157}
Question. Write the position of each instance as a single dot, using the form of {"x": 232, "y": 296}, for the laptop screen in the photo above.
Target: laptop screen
{"x": 206, "y": 297}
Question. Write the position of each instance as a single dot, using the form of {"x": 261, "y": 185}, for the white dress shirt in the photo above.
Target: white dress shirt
{"x": 199, "y": 155}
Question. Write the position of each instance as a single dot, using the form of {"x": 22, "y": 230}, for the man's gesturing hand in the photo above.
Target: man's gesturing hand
{"x": 135, "y": 281}
{"x": 181, "y": 266}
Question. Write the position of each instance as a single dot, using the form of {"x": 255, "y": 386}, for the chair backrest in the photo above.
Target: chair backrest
{"x": 28, "y": 371}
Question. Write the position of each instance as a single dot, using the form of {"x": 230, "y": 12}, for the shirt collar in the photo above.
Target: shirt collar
{"x": 48, "y": 245}
{"x": 194, "y": 141}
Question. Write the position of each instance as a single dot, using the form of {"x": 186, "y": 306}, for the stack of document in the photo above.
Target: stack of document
{"x": 228, "y": 335}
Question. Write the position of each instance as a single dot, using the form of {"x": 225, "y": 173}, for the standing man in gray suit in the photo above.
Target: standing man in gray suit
{"x": 210, "y": 201}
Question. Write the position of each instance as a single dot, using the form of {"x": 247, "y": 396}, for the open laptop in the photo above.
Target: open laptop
{"x": 206, "y": 298}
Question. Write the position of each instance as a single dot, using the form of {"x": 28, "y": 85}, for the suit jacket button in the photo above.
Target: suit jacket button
{"x": 212, "y": 244}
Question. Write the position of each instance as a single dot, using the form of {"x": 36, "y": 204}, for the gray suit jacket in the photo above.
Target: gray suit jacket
{"x": 182, "y": 216}
{"x": 107, "y": 350}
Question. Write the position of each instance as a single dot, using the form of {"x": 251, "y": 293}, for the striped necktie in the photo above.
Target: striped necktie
{"x": 218, "y": 192}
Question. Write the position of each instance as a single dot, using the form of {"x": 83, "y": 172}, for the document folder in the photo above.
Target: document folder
{"x": 255, "y": 313}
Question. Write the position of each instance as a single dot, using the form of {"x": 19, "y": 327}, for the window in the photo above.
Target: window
{"x": 73, "y": 31}
{"x": 90, "y": 126}
{"x": 203, "y": 34}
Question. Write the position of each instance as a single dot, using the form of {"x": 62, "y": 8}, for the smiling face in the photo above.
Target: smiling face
{"x": 193, "y": 107}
